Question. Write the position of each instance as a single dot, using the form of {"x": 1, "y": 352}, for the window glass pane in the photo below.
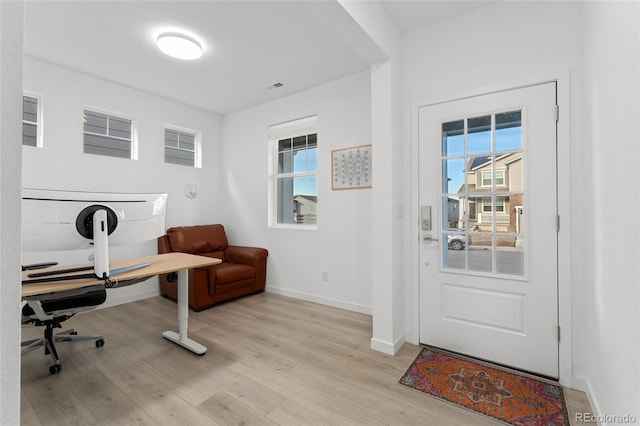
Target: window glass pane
{"x": 171, "y": 138}
{"x": 29, "y": 109}
{"x": 451, "y": 218}
{"x": 453, "y": 176}
{"x": 178, "y": 156}
{"x": 284, "y": 145}
{"x": 300, "y": 161}
{"x": 481, "y": 258}
{"x": 297, "y": 200}
{"x": 312, "y": 159}
{"x": 29, "y": 134}
{"x": 300, "y": 142}
{"x": 479, "y": 134}
{"x": 510, "y": 255}
{"x": 499, "y": 177}
{"x": 312, "y": 140}
{"x": 480, "y": 214}
{"x": 514, "y": 173}
{"x": 187, "y": 141}
{"x": 453, "y": 138}
{"x": 454, "y": 253}
{"x": 95, "y": 122}
{"x": 509, "y": 131}
{"x": 119, "y": 127}
{"x": 511, "y": 217}
{"x": 285, "y": 162}
{"x": 104, "y": 145}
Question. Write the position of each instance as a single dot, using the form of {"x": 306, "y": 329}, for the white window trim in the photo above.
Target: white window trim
{"x": 134, "y": 127}
{"x": 197, "y": 158}
{"x": 39, "y": 123}
{"x": 289, "y": 129}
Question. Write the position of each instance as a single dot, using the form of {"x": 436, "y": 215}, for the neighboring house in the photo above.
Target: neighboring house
{"x": 305, "y": 209}
{"x": 509, "y": 214}
{"x": 453, "y": 212}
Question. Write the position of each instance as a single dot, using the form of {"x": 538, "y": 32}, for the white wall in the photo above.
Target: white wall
{"x": 501, "y": 44}
{"x": 61, "y": 163}
{"x": 612, "y": 111}
{"x": 11, "y": 41}
{"x": 342, "y": 243}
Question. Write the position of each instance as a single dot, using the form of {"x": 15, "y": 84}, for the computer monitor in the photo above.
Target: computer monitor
{"x": 55, "y": 220}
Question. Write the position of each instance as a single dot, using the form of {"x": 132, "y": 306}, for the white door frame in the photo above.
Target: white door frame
{"x": 564, "y": 210}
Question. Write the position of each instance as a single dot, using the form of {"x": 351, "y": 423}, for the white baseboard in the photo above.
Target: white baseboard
{"x": 387, "y": 347}
{"x": 354, "y": 307}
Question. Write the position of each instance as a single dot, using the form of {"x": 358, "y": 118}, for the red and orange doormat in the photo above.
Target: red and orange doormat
{"x": 505, "y": 396}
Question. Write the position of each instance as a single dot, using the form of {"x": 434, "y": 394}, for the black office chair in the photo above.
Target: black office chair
{"x": 52, "y": 311}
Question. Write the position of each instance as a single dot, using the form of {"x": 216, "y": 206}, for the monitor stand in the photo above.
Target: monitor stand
{"x": 100, "y": 244}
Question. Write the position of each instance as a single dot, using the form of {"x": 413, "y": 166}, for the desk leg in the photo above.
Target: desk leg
{"x": 183, "y": 317}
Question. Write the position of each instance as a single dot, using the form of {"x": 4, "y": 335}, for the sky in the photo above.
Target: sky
{"x": 305, "y": 160}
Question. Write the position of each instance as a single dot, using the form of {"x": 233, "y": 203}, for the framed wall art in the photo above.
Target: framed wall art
{"x": 351, "y": 168}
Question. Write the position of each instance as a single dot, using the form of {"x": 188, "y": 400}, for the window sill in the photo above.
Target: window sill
{"x": 296, "y": 227}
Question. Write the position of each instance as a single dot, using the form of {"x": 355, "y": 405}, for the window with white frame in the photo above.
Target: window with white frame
{"x": 182, "y": 146}
{"x": 31, "y": 121}
{"x": 294, "y": 194}
{"x": 107, "y": 134}
{"x": 487, "y": 175}
{"x": 487, "y": 206}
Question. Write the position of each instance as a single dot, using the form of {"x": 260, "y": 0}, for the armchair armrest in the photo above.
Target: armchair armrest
{"x": 246, "y": 255}
{"x": 163, "y": 245}
{"x": 253, "y": 256}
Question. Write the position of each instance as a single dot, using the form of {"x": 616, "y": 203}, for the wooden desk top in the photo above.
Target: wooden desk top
{"x": 160, "y": 264}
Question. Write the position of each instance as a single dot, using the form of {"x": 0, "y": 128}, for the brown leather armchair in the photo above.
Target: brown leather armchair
{"x": 243, "y": 269}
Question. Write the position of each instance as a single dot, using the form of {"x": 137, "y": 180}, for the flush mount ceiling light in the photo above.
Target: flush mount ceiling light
{"x": 179, "y": 46}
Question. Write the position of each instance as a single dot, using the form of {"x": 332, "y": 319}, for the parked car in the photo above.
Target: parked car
{"x": 458, "y": 242}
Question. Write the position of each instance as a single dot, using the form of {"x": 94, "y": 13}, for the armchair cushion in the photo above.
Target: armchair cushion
{"x": 231, "y": 272}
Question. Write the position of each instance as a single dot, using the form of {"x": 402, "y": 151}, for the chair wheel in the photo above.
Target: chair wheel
{"x": 55, "y": 368}
{"x": 99, "y": 343}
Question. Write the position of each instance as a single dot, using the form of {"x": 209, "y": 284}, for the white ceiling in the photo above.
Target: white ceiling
{"x": 249, "y": 45}
{"x": 409, "y": 15}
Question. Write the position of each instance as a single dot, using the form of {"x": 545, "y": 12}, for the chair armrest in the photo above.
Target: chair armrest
{"x": 163, "y": 245}
{"x": 246, "y": 255}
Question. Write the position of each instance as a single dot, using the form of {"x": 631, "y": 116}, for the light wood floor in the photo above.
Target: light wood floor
{"x": 272, "y": 360}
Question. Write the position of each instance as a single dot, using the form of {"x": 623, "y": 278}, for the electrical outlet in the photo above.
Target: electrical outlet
{"x": 324, "y": 275}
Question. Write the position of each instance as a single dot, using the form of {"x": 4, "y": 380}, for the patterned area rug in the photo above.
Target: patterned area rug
{"x": 511, "y": 398}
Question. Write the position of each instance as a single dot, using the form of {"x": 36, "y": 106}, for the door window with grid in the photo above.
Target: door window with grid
{"x": 482, "y": 170}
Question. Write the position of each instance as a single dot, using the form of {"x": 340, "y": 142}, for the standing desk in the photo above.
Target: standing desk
{"x": 159, "y": 264}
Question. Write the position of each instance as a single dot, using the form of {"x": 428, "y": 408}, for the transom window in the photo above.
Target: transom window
{"x": 106, "y": 134}
{"x": 294, "y": 196}
{"x": 181, "y": 146}
{"x": 31, "y": 121}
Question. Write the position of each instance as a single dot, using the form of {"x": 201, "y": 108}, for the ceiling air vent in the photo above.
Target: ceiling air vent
{"x": 274, "y": 86}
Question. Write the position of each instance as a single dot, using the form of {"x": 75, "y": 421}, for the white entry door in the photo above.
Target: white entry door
{"x": 488, "y": 227}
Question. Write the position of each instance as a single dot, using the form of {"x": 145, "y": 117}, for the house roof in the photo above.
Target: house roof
{"x": 313, "y": 198}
